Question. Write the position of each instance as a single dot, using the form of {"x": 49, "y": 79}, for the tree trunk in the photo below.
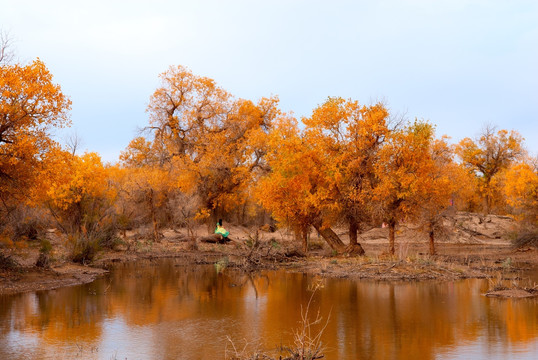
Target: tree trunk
{"x": 329, "y": 236}
{"x": 392, "y": 228}
{"x": 304, "y": 235}
{"x": 353, "y": 229}
{"x": 78, "y": 218}
{"x": 487, "y": 197}
{"x": 212, "y": 221}
{"x": 354, "y": 248}
{"x": 153, "y": 217}
{"x": 156, "y": 236}
{"x": 432, "y": 245}
{"x": 301, "y": 237}
{"x": 297, "y": 234}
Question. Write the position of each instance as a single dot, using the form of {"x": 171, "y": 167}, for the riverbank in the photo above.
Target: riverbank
{"x": 495, "y": 259}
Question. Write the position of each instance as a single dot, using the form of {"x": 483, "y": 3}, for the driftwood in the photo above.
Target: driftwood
{"x": 215, "y": 238}
{"x": 295, "y": 253}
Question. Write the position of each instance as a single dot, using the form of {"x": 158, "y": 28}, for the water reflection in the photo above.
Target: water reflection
{"x": 160, "y": 310}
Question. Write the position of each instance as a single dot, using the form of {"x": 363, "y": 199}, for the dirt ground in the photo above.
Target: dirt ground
{"x": 253, "y": 251}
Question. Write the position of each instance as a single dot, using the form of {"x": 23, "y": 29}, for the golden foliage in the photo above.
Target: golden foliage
{"x": 346, "y": 166}
{"x": 348, "y": 137}
{"x": 213, "y": 143}
{"x": 415, "y": 177}
{"x": 489, "y": 156}
{"x": 30, "y": 105}
{"x": 290, "y": 191}
{"x": 82, "y": 177}
{"x": 521, "y": 190}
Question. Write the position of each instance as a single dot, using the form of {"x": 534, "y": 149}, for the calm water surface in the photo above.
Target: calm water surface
{"x": 162, "y": 310}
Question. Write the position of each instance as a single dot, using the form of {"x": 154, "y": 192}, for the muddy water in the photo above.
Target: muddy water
{"x": 162, "y": 310}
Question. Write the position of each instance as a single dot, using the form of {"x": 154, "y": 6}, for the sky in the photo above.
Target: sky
{"x": 460, "y": 64}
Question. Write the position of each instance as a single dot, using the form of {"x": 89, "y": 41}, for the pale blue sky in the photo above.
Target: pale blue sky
{"x": 457, "y": 63}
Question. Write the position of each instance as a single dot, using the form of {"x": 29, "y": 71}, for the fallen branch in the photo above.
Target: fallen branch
{"x": 215, "y": 238}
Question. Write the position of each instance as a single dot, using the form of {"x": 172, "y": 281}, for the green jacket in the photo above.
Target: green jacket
{"x": 220, "y": 230}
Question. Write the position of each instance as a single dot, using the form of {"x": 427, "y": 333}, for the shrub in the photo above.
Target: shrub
{"x": 84, "y": 248}
{"x": 43, "y": 261}
{"x": 107, "y": 236}
{"x": 29, "y": 224}
{"x": 7, "y": 263}
{"x": 526, "y": 236}
{"x": 22, "y": 224}
{"x": 46, "y": 246}
{"x": 87, "y": 243}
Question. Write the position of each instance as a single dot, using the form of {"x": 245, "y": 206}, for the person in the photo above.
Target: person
{"x": 221, "y": 230}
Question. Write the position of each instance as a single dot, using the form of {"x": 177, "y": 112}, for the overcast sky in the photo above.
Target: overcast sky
{"x": 457, "y": 63}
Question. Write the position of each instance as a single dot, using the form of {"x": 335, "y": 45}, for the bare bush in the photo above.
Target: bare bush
{"x": 526, "y": 236}
{"x": 7, "y": 263}
{"x": 22, "y": 224}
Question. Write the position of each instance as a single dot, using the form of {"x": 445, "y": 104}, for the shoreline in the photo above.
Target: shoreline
{"x": 453, "y": 262}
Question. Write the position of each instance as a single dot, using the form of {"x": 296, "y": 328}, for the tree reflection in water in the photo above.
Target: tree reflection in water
{"x": 160, "y": 310}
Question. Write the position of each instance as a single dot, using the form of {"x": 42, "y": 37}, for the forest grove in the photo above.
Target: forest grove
{"x": 205, "y": 154}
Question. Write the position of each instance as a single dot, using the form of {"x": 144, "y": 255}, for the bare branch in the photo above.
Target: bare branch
{"x": 73, "y": 143}
{"x": 6, "y": 53}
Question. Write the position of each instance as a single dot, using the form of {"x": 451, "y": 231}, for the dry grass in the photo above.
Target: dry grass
{"x": 307, "y": 340}
{"x": 307, "y": 343}
{"x": 233, "y": 352}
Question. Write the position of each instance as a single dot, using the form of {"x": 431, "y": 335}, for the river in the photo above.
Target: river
{"x": 164, "y": 310}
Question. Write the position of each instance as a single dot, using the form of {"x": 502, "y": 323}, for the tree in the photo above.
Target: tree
{"x": 81, "y": 198}
{"x": 404, "y": 173}
{"x": 286, "y": 189}
{"x": 438, "y": 192}
{"x": 214, "y": 143}
{"x": 295, "y": 188}
{"x": 467, "y": 198}
{"x": 144, "y": 191}
{"x": 30, "y": 106}
{"x": 80, "y": 193}
{"x": 486, "y": 157}
{"x": 185, "y": 110}
{"x": 348, "y": 137}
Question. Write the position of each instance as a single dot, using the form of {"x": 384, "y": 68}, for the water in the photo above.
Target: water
{"x": 163, "y": 310}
